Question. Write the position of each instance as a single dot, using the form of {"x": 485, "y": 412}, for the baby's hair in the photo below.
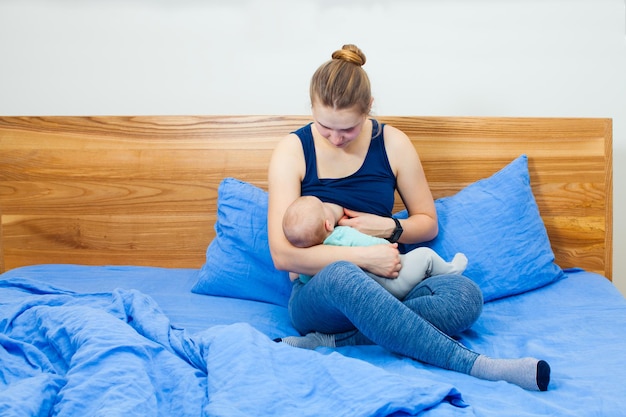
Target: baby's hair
{"x": 303, "y": 224}
{"x": 341, "y": 83}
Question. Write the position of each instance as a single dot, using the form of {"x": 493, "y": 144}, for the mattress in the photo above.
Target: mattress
{"x": 221, "y": 348}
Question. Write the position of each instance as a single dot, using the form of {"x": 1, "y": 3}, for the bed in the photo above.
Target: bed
{"x": 136, "y": 278}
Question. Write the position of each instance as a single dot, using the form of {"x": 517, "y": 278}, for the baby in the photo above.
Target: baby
{"x": 308, "y": 222}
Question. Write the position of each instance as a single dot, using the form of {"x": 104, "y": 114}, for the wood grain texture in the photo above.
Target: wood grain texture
{"x": 143, "y": 190}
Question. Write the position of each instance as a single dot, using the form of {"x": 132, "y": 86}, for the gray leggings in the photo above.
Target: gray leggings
{"x": 343, "y": 300}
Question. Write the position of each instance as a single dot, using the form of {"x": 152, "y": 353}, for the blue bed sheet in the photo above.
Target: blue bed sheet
{"x": 117, "y": 353}
{"x": 80, "y": 340}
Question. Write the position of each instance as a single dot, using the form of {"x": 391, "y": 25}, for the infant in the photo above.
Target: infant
{"x": 308, "y": 222}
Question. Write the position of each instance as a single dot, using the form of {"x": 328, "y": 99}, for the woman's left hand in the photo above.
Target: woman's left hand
{"x": 367, "y": 223}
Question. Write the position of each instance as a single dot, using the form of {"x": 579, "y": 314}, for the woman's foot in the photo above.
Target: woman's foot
{"x": 309, "y": 341}
{"x": 529, "y": 373}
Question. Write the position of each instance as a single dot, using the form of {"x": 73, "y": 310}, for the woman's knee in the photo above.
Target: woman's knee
{"x": 462, "y": 291}
{"x": 471, "y": 297}
{"x": 452, "y": 303}
{"x": 449, "y": 286}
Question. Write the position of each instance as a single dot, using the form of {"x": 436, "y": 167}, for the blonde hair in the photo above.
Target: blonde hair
{"x": 304, "y": 222}
{"x": 341, "y": 83}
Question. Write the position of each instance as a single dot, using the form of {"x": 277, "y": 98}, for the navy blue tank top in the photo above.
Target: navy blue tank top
{"x": 370, "y": 189}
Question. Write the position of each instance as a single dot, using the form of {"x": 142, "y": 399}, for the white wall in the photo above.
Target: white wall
{"x": 426, "y": 57}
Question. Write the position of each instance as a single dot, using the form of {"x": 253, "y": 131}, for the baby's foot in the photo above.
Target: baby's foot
{"x": 459, "y": 262}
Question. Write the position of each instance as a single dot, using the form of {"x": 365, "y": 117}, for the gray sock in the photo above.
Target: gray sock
{"x": 529, "y": 373}
{"x": 309, "y": 341}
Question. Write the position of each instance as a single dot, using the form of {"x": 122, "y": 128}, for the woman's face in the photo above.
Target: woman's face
{"x": 339, "y": 127}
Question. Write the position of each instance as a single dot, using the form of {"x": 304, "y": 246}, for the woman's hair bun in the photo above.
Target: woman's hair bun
{"x": 350, "y": 53}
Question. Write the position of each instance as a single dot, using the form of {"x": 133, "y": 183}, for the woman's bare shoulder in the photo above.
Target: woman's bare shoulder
{"x": 398, "y": 145}
{"x": 396, "y": 135}
{"x": 289, "y": 143}
{"x": 287, "y": 162}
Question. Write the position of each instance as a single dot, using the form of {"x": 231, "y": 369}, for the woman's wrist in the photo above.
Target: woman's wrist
{"x": 396, "y": 231}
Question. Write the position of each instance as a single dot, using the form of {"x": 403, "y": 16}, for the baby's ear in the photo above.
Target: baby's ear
{"x": 329, "y": 225}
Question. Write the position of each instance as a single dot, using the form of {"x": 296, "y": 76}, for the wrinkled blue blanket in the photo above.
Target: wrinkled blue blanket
{"x": 71, "y": 354}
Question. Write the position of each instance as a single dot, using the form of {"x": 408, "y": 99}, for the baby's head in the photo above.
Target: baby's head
{"x": 304, "y": 222}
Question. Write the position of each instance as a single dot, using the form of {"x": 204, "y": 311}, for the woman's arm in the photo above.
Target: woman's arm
{"x": 421, "y": 225}
{"x": 286, "y": 171}
{"x": 413, "y": 188}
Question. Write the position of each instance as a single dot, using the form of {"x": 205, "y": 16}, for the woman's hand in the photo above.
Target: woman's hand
{"x": 381, "y": 260}
{"x": 367, "y": 223}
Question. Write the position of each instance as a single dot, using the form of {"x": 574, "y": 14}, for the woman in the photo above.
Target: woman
{"x": 344, "y": 157}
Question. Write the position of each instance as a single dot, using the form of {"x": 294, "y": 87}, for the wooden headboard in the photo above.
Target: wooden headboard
{"x": 142, "y": 190}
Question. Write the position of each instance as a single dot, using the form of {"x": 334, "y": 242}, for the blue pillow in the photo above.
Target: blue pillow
{"x": 496, "y": 223}
{"x": 238, "y": 261}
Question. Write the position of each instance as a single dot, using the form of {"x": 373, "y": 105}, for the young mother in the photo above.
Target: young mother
{"x": 345, "y": 157}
